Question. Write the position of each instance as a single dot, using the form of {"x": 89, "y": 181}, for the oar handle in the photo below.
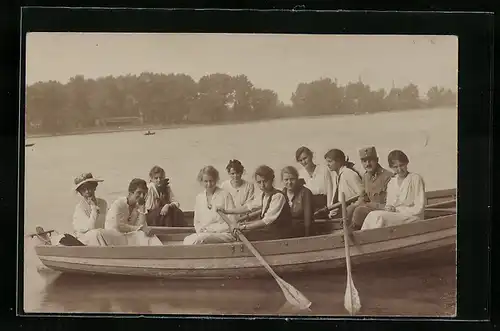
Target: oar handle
{"x": 250, "y": 215}
{"x": 335, "y": 205}
{"x": 247, "y": 243}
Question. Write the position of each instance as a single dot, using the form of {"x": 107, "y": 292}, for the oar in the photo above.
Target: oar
{"x": 335, "y": 205}
{"x": 351, "y": 298}
{"x": 39, "y": 232}
{"x": 292, "y": 295}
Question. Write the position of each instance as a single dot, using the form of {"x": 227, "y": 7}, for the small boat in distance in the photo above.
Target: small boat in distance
{"x": 149, "y": 133}
{"x": 29, "y": 145}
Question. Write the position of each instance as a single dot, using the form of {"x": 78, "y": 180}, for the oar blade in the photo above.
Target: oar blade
{"x": 352, "y": 302}
{"x": 294, "y": 296}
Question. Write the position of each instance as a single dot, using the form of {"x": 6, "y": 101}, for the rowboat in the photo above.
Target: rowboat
{"x": 29, "y": 145}
{"x": 322, "y": 251}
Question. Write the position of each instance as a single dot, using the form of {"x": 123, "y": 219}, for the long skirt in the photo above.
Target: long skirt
{"x": 357, "y": 213}
{"x": 139, "y": 238}
{"x": 319, "y": 201}
{"x": 381, "y": 218}
{"x": 108, "y": 237}
{"x": 209, "y": 238}
{"x": 174, "y": 217}
{"x": 102, "y": 237}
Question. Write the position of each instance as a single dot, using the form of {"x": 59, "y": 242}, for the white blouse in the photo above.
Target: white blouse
{"x": 86, "y": 218}
{"x": 409, "y": 198}
{"x": 347, "y": 181}
{"x": 278, "y": 200}
{"x": 319, "y": 182}
{"x": 241, "y": 195}
{"x": 153, "y": 194}
{"x": 120, "y": 218}
{"x": 206, "y": 218}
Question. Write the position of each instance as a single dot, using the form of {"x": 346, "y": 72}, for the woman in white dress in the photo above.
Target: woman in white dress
{"x": 405, "y": 196}
{"x": 344, "y": 177}
{"x": 317, "y": 178}
{"x": 209, "y": 226}
{"x": 241, "y": 190}
{"x": 127, "y": 215}
{"x": 90, "y": 214}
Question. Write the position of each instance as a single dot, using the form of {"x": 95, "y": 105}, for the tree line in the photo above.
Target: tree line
{"x": 172, "y": 99}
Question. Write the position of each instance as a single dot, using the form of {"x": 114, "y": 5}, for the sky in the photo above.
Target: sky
{"x": 277, "y": 62}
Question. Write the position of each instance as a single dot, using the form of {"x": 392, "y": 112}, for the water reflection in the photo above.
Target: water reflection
{"x": 405, "y": 287}
{"x": 102, "y": 294}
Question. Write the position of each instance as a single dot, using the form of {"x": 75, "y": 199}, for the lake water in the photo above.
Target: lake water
{"x": 429, "y": 137}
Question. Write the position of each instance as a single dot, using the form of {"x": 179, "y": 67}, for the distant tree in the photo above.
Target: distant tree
{"x": 52, "y": 107}
{"x": 46, "y": 106}
{"x": 241, "y": 98}
{"x": 263, "y": 102}
{"x": 319, "y": 97}
{"x": 438, "y": 96}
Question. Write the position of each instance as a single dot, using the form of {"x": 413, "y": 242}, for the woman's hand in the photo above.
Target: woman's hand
{"x": 164, "y": 210}
{"x": 235, "y": 229}
{"x": 147, "y": 230}
{"x": 390, "y": 208}
{"x": 333, "y": 213}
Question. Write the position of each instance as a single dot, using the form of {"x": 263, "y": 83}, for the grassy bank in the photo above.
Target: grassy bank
{"x": 186, "y": 125}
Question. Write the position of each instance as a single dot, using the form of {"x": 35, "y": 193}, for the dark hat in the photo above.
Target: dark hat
{"x": 368, "y": 152}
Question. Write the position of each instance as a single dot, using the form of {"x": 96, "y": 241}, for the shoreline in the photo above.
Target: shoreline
{"x": 153, "y": 127}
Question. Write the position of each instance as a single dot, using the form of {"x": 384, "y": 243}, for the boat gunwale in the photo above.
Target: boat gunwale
{"x": 237, "y": 249}
{"x": 252, "y": 271}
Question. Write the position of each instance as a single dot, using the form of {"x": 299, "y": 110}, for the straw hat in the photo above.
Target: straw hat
{"x": 85, "y": 178}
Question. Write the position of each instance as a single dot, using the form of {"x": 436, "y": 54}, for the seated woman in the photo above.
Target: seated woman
{"x": 209, "y": 226}
{"x": 127, "y": 215}
{"x": 241, "y": 191}
{"x": 299, "y": 199}
{"x": 317, "y": 179}
{"x": 275, "y": 218}
{"x": 344, "y": 177}
{"x": 405, "y": 196}
{"x": 90, "y": 214}
{"x": 162, "y": 210}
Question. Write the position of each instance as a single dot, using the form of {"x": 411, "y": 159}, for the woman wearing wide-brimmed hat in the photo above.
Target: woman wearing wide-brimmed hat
{"x": 90, "y": 214}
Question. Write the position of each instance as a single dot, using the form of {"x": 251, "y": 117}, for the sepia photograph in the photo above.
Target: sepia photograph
{"x": 240, "y": 174}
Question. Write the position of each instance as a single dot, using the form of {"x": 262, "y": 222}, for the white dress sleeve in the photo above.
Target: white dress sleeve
{"x": 82, "y": 222}
{"x": 417, "y": 187}
{"x": 277, "y": 202}
{"x": 251, "y": 192}
{"x": 350, "y": 184}
{"x": 229, "y": 204}
{"x": 117, "y": 217}
{"x": 392, "y": 188}
{"x": 329, "y": 187}
{"x": 254, "y": 204}
{"x": 197, "y": 213}
{"x": 151, "y": 196}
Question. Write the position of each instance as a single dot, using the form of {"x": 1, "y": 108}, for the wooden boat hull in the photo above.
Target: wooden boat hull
{"x": 233, "y": 260}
